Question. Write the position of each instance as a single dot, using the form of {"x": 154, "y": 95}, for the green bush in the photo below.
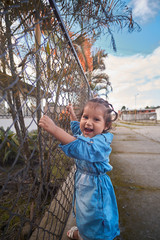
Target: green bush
{"x": 9, "y": 146}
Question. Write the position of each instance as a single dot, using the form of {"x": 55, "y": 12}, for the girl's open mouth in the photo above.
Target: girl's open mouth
{"x": 88, "y": 130}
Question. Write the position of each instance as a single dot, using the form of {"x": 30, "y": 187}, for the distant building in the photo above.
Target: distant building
{"x": 138, "y": 114}
{"x": 158, "y": 113}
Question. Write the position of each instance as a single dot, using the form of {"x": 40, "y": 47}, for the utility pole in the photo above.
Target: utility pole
{"x": 135, "y": 106}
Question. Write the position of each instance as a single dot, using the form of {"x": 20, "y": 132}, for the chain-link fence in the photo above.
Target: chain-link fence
{"x": 39, "y": 73}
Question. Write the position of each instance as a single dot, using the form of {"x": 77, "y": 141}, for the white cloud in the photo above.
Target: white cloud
{"x": 132, "y": 75}
{"x": 144, "y": 10}
{"x": 149, "y": 86}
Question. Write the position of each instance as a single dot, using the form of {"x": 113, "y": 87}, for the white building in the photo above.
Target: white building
{"x": 158, "y": 113}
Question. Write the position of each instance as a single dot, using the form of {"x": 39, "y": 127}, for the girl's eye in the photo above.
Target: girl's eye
{"x": 97, "y": 119}
{"x": 85, "y": 117}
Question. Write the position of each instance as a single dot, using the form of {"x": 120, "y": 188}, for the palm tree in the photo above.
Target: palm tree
{"x": 83, "y": 44}
{"x": 100, "y": 85}
{"x": 98, "y": 58}
{"x": 96, "y": 17}
{"x": 99, "y": 82}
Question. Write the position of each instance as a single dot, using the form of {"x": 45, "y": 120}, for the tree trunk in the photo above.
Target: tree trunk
{"x": 17, "y": 114}
{"x": 38, "y": 98}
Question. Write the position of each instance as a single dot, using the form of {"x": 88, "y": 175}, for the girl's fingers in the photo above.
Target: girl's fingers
{"x": 69, "y": 107}
{"x": 42, "y": 120}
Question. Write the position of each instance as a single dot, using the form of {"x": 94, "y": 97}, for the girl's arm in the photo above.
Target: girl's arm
{"x": 48, "y": 125}
{"x": 73, "y": 116}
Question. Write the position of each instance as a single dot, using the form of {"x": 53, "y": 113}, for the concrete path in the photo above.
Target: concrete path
{"x": 152, "y": 132}
{"x": 136, "y": 178}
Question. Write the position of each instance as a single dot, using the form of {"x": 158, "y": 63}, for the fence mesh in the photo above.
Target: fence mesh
{"x": 39, "y": 74}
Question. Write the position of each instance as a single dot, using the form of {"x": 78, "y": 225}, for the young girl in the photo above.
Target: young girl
{"x": 96, "y": 207}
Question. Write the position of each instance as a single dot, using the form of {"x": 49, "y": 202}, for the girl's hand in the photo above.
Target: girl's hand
{"x": 71, "y": 112}
{"x": 70, "y": 108}
{"x": 47, "y": 124}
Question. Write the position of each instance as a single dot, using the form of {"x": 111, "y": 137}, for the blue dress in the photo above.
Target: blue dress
{"x": 96, "y": 206}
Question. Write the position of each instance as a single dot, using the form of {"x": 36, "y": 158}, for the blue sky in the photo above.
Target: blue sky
{"x": 134, "y": 70}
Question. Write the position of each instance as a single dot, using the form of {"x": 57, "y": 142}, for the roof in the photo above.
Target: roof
{"x": 143, "y": 109}
{"x": 26, "y": 88}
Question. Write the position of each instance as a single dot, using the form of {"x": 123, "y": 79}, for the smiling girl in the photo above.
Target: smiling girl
{"x": 96, "y": 207}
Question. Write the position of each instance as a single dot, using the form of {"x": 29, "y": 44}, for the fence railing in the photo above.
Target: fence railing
{"x": 39, "y": 73}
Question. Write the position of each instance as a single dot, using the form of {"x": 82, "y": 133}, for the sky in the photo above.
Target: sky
{"x": 134, "y": 70}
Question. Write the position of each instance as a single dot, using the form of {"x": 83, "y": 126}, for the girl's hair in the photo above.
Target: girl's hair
{"x": 110, "y": 115}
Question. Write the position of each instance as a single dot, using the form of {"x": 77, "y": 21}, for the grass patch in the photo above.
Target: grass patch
{"x": 139, "y": 123}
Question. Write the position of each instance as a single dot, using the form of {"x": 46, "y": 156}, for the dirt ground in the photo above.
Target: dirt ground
{"x": 136, "y": 178}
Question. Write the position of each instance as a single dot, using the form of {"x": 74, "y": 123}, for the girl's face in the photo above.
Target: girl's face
{"x": 92, "y": 121}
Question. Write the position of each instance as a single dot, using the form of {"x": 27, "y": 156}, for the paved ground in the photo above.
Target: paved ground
{"x": 152, "y": 132}
{"x": 136, "y": 179}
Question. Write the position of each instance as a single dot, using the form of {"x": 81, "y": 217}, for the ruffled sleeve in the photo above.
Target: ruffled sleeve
{"x": 75, "y": 128}
{"x": 96, "y": 149}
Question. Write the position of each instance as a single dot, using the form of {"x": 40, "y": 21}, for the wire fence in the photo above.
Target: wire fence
{"x": 39, "y": 74}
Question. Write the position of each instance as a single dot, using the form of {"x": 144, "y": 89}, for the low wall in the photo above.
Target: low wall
{"x": 50, "y": 227}
{"x": 30, "y": 123}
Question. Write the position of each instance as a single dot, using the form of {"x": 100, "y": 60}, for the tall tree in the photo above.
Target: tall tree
{"x": 98, "y": 17}
{"x": 97, "y": 81}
